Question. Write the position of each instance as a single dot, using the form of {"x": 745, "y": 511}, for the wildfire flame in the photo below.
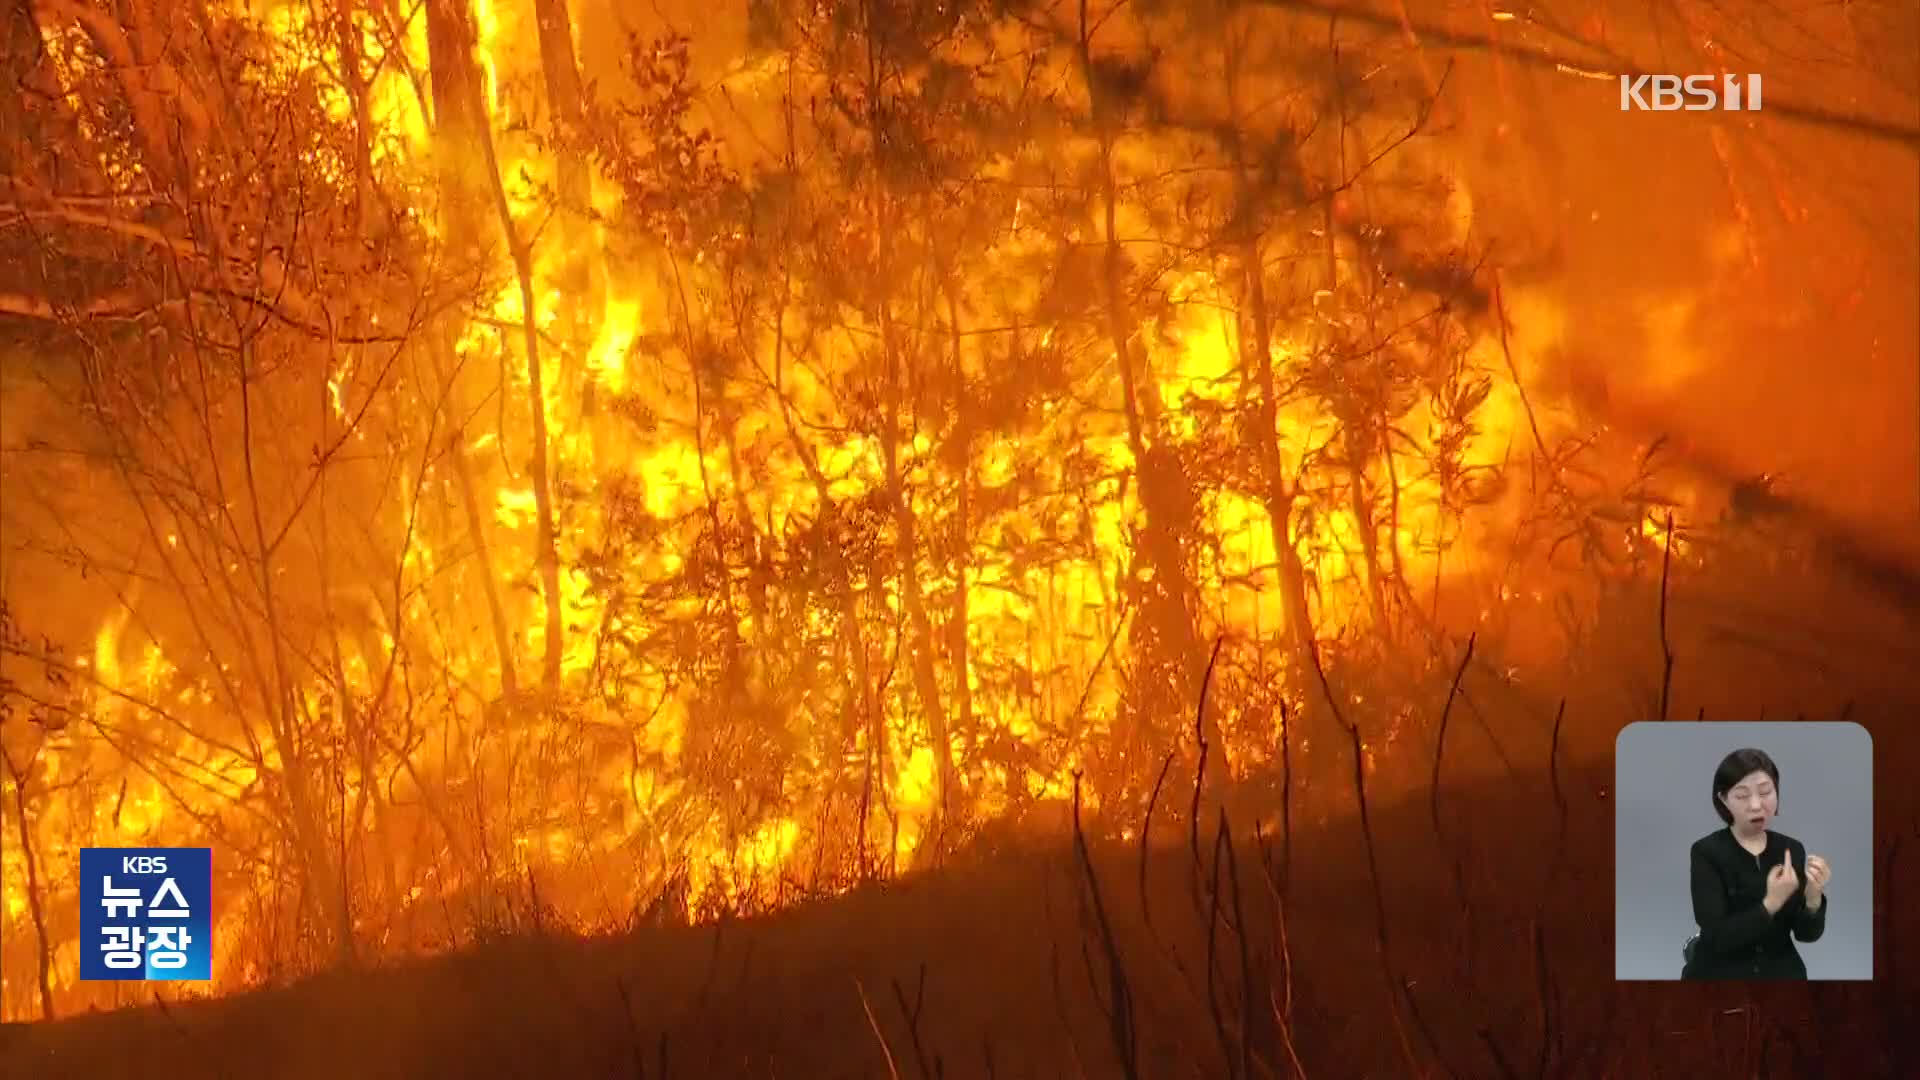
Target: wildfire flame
{"x": 446, "y": 771}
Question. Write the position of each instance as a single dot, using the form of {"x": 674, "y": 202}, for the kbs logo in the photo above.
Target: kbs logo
{"x": 145, "y": 914}
{"x": 1691, "y": 93}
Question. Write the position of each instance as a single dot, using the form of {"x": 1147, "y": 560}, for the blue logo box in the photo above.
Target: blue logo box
{"x": 146, "y": 914}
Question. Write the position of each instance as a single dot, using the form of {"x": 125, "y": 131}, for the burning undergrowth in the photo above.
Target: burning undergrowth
{"x": 480, "y": 488}
{"x": 1241, "y": 932}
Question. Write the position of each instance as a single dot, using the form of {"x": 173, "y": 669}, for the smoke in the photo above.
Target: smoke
{"x": 1746, "y": 289}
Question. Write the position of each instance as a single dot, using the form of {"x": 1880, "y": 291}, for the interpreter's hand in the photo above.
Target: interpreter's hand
{"x": 1818, "y": 874}
{"x": 1782, "y": 883}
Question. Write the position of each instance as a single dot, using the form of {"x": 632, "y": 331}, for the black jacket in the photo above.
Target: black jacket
{"x": 1738, "y": 939}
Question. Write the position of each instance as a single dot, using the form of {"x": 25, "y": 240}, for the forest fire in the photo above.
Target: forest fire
{"x": 487, "y": 465}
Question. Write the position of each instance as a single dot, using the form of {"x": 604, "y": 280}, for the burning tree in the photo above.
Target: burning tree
{"x": 312, "y": 281}
{"x": 464, "y": 483}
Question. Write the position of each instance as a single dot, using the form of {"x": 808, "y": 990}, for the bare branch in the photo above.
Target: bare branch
{"x": 1589, "y": 68}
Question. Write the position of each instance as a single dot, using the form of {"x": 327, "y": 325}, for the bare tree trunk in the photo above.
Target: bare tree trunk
{"x": 1171, "y": 647}
{"x": 343, "y": 702}
{"x": 546, "y": 552}
{"x": 963, "y": 529}
{"x": 858, "y": 680}
{"x": 462, "y": 117}
{"x": 1280, "y": 499}
{"x": 456, "y": 99}
{"x": 905, "y": 522}
{"x": 298, "y": 767}
{"x": 1360, "y": 450}
{"x": 24, "y": 70}
{"x": 347, "y": 40}
{"x": 459, "y": 111}
{"x": 735, "y": 674}
{"x": 44, "y": 950}
{"x": 906, "y": 529}
{"x": 211, "y": 515}
{"x": 136, "y": 48}
{"x": 757, "y": 570}
{"x": 477, "y": 530}
{"x": 579, "y": 280}
{"x": 1357, "y": 425}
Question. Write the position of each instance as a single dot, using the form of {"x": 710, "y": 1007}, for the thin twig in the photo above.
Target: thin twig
{"x": 1213, "y": 926}
{"x": 1439, "y": 832}
{"x": 43, "y": 952}
{"x": 1440, "y": 743}
{"x": 1286, "y": 798}
{"x": 1530, "y": 55}
{"x": 1200, "y": 770}
{"x": 1550, "y": 998}
{"x": 173, "y": 1021}
{"x": 1666, "y": 648}
{"x": 1060, "y": 1011}
{"x": 1283, "y": 1007}
{"x": 912, "y": 1014}
{"x": 1426, "y": 1031}
{"x": 1246, "y": 960}
{"x": 633, "y": 1030}
{"x": 1553, "y": 767}
{"x": 1499, "y": 1058}
{"x": 893, "y": 1071}
{"x": 1513, "y": 372}
{"x": 1121, "y": 996}
{"x": 1547, "y": 997}
{"x": 1146, "y": 827}
{"x": 1382, "y": 944}
{"x": 1543, "y": 991}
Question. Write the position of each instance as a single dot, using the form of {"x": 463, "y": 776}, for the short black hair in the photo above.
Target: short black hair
{"x": 1736, "y": 767}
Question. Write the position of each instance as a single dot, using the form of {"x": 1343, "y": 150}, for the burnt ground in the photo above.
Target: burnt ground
{"x": 996, "y": 969}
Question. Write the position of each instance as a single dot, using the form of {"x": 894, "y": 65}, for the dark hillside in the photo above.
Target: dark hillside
{"x": 1008, "y": 978}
